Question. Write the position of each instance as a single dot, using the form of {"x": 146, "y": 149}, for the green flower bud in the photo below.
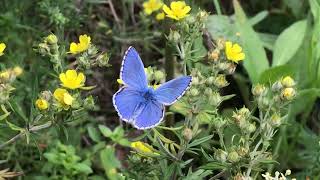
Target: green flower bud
{"x": 251, "y": 128}
{"x": 187, "y": 134}
{"x": 220, "y": 81}
{"x": 103, "y": 60}
{"x": 89, "y": 103}
{"x": 194, "y": 92}
{"x": 275, "y": 120}
{"x": 242, "y": 151}
{"x": 51, "y": 39}
{"x": 277, "y": 86}
{"x": 233, "y": 157}
{"x": 174, "y": 36}
{"x": 159, "y": 75}
{"x": 195, "y": 81}
{"x": 210, "y": 80}
{"x": 259, "y": 90}
{"x": 220, "y": 155}
{"x": 208, "y": 91}
{"x": 215, "y": 99}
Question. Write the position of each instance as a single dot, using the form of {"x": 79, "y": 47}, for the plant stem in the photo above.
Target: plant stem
{"x": 217, "y": 6}
{"x": 33, "y": 129}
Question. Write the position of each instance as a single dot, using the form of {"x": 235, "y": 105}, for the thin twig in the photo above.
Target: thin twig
{"x": 32, "y": 129}
{"x": 218, "y": 175}
{"x": 114, "y": 13}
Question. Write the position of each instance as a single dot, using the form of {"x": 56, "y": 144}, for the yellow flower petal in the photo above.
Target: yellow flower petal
{"x": 160, "y": 16}
{"x": 42, "y": 104}
{"x": 72, "y": 80}
{"x": 2, "y": 48}
{"x": 167, "y": 10}
{"x": 73, "y": 48}
{"x": 237, "y": 48}
{"x": 67, "y": 99}
{"x": 71, "y": 74}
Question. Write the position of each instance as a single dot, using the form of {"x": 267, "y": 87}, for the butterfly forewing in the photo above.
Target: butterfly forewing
{"x": 132, "y": 70}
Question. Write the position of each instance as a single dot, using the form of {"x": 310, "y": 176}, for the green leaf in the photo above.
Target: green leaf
{"x": 108, "y": 159}
{"x": 105, "y": 131}
{"x": 275, "y": 73}
{"x": 303, "y": 102}
{"x": 214, "y": 166}
{"x": 94, "y": 134}
{"x": 256, "y": 60}
{"x": 220, "y": 26}
{"x": 14, "y": 127}
{"x": 124, "y": 142}
{"x": 199, "y": 141}
{"x": 83, "y": 168}
{"x": 289, "y": 42}
{"x": 258, "y": 18}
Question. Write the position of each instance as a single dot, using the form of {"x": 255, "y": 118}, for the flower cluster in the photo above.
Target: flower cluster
{"x": 178, "y": 10}
{"x": 62, "y": 98}
{"x": 278, "y": 175}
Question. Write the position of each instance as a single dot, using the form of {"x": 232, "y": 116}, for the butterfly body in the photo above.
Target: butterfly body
{"x": 138, "y": 104}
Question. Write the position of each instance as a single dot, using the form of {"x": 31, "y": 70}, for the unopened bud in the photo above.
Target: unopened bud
{"x": 233, "y": 157}
{"x": 17, "y": 70}
{"x": 46, "y": 95}
{"x": 251, "y": 128}
{"x": 277, "y": 86}
{"x": 174, "y": 36}
{"x": 214, "y": 55}
{"x": 159, "y": 75}
{"x": 51, "y": 39}
{"x": 210, "y": 80}
{"x": 275, "y": 120}
{"x": 194, "y": 92}
{"x": 259, "y": 90}
{"x": 220, "y": 81}
{"x": 288, "y": 94}
{"x": 187, "y": 134}
{"x": 208, "y": 91}
{"x": 215, "y": 99}
{"x": 220, "y": 155}
{"x": 287, "y": 82}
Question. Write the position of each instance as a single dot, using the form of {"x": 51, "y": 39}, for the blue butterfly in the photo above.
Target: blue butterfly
{"x": 138, "y": 104}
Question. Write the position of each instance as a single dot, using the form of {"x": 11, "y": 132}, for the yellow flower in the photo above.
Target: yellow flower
{"x": 83, "y": 45}
{"x": 2, "y": 47}
{"x": 152, "y": 5}
{"x": 17, "y": 70}
{"x": 178, "y": 10}
{"x": 63, "y": 97}
{"x": 234, "y": 52}
{"x": 142, "y": 147}
{"x": 72, "y": 80}
{"x": 160, "y": 16}
{"x": 42, "y": 104}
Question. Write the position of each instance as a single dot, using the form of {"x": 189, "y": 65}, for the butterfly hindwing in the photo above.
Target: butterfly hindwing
{"x": 132, "y": 70}
{"x": 169, "y": 92}
{"x": 126, "y": 101}
{"x": 151, "y": 115}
